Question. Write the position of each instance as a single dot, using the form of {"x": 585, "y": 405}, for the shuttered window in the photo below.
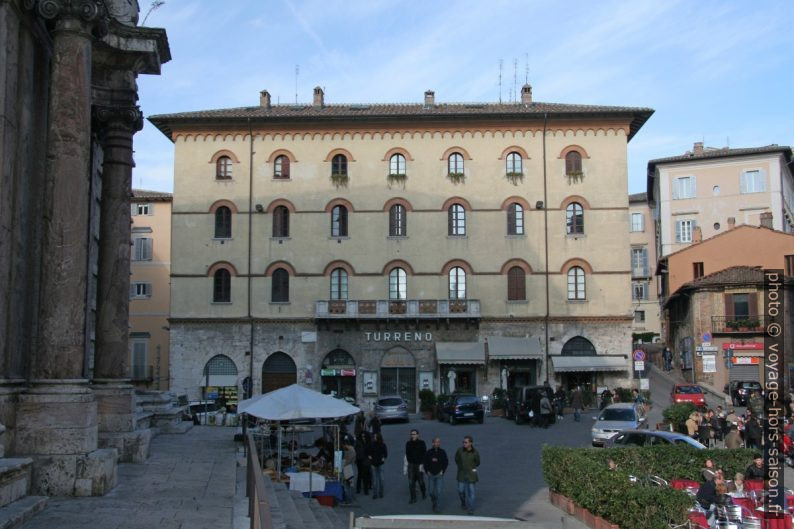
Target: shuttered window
{"x": 281, "y": 167}
{"x": 223, "y": 168}
{"x": 281, "y": 222}
{"x": 279, "y": 292}
{"x": 573, "y": 163}
{"x": 142, "y": 249}
{"x": 516, "y": 284}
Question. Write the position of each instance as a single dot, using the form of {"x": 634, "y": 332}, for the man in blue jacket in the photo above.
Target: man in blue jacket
{"x": 435, "y": 464}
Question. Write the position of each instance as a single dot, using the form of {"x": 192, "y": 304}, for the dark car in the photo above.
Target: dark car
{"x": 523, "y": 399}
{"x": 740, "y": 391}
{"x": 462, "y": 407}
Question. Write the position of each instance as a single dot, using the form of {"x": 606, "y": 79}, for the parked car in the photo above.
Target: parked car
{"x": 204, "y": 411}
{"x": 740, "y": 391}
{"x": 523, "y": 399}
{"x": 391, "y": 408}
{"x": 462, "y": 407}
{"x": 688, "y": 393}
{"x": 651, "y": 438}
{"x": 616, "y": 418}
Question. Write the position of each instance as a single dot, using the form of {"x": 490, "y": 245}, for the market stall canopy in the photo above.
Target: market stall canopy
{"x": 589, "y": 363}
{"x": 460, "y": 352}
{"x": 500, "y": 348}
{"x": 295, "y": 402}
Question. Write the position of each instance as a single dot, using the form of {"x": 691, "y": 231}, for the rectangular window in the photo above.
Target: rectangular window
{"x": 741, "y": 306}
{"x": 684, "y": 187}
{"x": 639, "y": 316}
{"x": 789, "y": 265}
{"x": 142, "y": 249}
{"x": 637, "y": 222}
{"x": 139, "y": 353}
{"x": 142, "y": 209}
{"x": 639, "y": 290}
{"x": 140, "y": 290}
{"x": 753, "y": 181}
{"x": 457, "y": 220}
{"x": 697, "y": 270}
{"x": 639, "y": 262}
{"x": 683, "y": 230}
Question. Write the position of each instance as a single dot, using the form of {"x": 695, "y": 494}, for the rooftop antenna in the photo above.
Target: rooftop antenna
{"x": 526, "y": 68}
{"x": 515, "y": 80}
{"x": 297, "y": 71}
{"x": 500, "y": 80}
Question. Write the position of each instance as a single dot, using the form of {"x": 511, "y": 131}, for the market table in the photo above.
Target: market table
{"x": 300, "y": 481}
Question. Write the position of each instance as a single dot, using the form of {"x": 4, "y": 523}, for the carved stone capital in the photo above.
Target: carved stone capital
{"x": 92, "y": 12}
{"x": 129, "y": 118}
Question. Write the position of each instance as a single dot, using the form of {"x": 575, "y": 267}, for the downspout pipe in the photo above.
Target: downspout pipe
{"x": 250, "y": 256}
{"x": 546, "y": 245}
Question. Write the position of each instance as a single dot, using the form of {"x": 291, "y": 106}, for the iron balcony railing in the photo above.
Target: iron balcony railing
{"x": 737, "y": 324}
{"x": 397, "y": 309}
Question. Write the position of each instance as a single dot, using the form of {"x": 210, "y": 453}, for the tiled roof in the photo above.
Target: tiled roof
{"x": 735, "y": 275}
{"x": 723, "y": 153}
{"x": 638, "y": 197}
{"x": 150, "y": 195}
{"x": 397, "y": 112}
{"x": 725, "y": 234}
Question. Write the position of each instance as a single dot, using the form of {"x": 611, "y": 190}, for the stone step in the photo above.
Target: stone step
{"x": 14, "y": 479}
{"x": 303, "y": 506}
{"x": 21, "y": 511}
{"x": 340, "y": 518}
{"x": 292, "y": 518}
{"x": 276, "y": 515}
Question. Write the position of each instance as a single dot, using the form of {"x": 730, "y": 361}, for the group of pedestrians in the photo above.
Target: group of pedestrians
{"x": 732, "y": 429}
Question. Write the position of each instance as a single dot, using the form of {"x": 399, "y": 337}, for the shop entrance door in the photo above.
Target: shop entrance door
{"x": 399, "y": 381}
{"x": 278, "y": 372}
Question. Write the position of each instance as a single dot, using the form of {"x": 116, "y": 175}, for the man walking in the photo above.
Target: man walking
{"x": 415, "y": 450}
{"x": 577, "y": 403}
{"x": 467, "y": 458}
{"x": 435, "y": 464}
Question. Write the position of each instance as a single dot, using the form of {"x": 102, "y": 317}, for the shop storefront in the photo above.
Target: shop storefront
{"x": 338, "y": 374}
{"x": 459, "y": 364}
{"x": 278, "y": 371}
{"x": 580, "y": 365}
{"x": 398, "y": 376}
{"x": 517, "y": 360}
{"x": 219, "y": 381}
{"x": 745, "y": 361}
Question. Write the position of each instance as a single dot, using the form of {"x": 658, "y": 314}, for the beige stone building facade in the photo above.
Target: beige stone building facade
{"x": 150, "y": 288}
{"x": 368, "y": 250}
{"x": 644, "y": 291}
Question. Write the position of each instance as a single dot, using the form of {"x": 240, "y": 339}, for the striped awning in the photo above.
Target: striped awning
{"x": 593, "y": 363}
{"x": 460, "y": 352}
{"x": 500, "y": 348}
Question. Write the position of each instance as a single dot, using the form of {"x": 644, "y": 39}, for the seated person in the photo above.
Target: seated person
{"x": 707, "y": 493}
{"x": 708, "y": 472}
{"x": 737, "y": 485}
{"x": 756, "y": 469}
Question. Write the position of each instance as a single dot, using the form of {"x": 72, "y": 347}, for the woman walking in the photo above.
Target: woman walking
{"x": 377, "y": 454}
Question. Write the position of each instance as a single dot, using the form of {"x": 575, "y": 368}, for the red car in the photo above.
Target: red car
{"x": 688, "y": 393}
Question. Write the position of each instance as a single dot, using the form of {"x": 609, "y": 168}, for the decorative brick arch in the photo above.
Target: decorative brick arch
{"x": 339, "y": 150}
{"x": 344, "y": 265}
{"x": 218, "y": 203}
{"x": 224, "y": 152}
{"x": 338, "y": 202}
{"x": 577, "y": 148}
{"x": 280, "y": 202}
{"x": 514, "y": 200}
{"x": 575, "y": 198}
{"x": 575, "y": 261}
{"x": 280, "y": 264}
{"x": 451, "y": 150}
{"x": 397, "y": 200}
{"x": 397, "y": 263}
{"x": 281, "y": 152}
{"x": 397, "y": 150}
{"x": 452, "y": 263}
{"x": 222, "y": 265}
{"x": 514, "y": 148}
{"x": 523, "y": 265}
{"x": 456, "y": 200}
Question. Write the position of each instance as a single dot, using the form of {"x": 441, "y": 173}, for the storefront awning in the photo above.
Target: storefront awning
{"x": 460, "y": 352}
{"x": 589, "y": 363}
{"x": 513, "y": 348}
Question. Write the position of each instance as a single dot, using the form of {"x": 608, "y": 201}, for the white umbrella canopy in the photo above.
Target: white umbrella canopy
{"x": 295, "y": 402}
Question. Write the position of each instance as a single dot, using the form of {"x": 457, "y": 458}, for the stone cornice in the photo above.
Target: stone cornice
{"x": 529, "y": 319}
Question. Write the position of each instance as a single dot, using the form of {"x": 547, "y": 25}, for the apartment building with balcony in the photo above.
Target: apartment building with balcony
{"x": 379, "y": 249}
{"x": 642, "y": 240}
{"x": 150, "y": 290}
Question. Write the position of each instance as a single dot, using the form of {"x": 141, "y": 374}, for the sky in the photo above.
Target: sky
{"x": 720, "y": 72}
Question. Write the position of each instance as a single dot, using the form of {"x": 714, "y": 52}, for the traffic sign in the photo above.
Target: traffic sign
{"x": 638, "y": 355}
{"x": 639, "y": 365}
{"x": 706, "y": 336}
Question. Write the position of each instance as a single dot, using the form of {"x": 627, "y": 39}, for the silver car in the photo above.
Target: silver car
{"x": 391, "y": 407}
{"x": 652, "y": 438}
{"x": 614, "y": 418}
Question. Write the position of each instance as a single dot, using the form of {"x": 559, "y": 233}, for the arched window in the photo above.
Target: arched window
{"x": 398, "y": 287}
{"x": 281, "y": 222}
{"x": 573, "y": 163}
{"x": 515, "y": 219}
{"x": 223, "y": 168}
{"x": 220, "y": 365}
{"x": 576, "y": 284}
{"x": 281, "y": 167}
{"x": 339, "y": 221}
{"x": 397, "y": 164}
{"x": 279, "y": 291}
{"x": 339, "y": 165}
{"x": 456, "y": 220}
{"x": 516, "y": 284}
{"x": 457, "y": 283}
{"x": 578, "y": 346}
{"x": 338, "y": 283}
{"x": 397, "y": 221}
{"x": 223, "y": 223}
{"x": 574, "y": 219}
{"x": 222, "y": 286}
{"x": 455, "y": 164}
{"x": 514, "y": 166}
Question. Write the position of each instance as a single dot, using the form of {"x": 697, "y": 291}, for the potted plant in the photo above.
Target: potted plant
{"x": 456, "y": 178}
{"x": 574, "y": 176}
{"x": 498, "y": 402}
{"x": 396, "y": 178}
{"x": 339, "y": 179}
{"x": 427, "y": 403}
{"x": 514, "y": 178}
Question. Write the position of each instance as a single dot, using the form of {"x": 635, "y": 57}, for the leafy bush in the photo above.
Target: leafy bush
{"x": 427, "y": 400}
{"x": 677, "y": 414}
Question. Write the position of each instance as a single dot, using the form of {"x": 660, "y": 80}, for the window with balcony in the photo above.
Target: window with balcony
{"x": 515, "y": 219}
{"x": 398, "y": 287}
{"x": 339, "y": 284}
{"x": 457, "y": 283}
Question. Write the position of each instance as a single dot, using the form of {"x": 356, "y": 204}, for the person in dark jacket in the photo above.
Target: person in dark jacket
{"x": 374, "y": 424}
{"x": 377, "y": 454}
{"x": 415, "y": 450}
{"x": 707, "y": 493}
{"x": 363, "y": 467}
{"x": 752, "y": 433}
{"x": 756, "y": 469}
{"x": 468, "y": 459}
{"x": 435, "y": 464}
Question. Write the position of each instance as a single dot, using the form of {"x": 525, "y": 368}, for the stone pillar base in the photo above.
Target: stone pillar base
{"x": 133, "y": 447}
{"x": 115, "y": 406}
{"x": 91, "y": 474}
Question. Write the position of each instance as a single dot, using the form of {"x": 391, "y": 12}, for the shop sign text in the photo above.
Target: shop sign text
{"x": 398, "y": 336}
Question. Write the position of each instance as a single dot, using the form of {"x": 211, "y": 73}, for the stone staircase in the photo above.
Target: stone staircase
{"x": 159, "y": 411}
{"x": 291, "y": 510}
{"x": 16, "y": 507}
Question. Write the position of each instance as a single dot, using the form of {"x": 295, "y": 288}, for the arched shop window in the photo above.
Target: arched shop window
{"x": 219, "y": 381}
{"x": 578, "y": 346}
{"x": 338, "y": 374}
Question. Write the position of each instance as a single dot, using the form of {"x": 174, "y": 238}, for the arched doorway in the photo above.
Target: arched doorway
{"x": 398, "y": 376}
{"x": 278, "y": 371}
{"x": 579, "y": 346}
{"x": 338, "y": 374}
{"x": 220, "y": 381}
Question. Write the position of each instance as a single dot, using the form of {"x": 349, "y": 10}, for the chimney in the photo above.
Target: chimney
{"x": 731, "y": 222}
{"x": 697, "y": 235}
{"x": 766, "y": 219}
{"x": 430, "y": 98}
{"x": 698, "y": 148}
{"x": 526, "y": 94}
{"x": 264, "y": 99}
{"x": 319, "y": 99}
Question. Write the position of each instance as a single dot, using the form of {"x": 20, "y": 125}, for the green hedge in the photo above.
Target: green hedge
{"x": 582, "y": 474}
